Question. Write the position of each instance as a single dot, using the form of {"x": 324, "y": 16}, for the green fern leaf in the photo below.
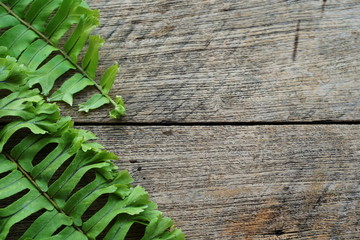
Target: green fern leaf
{"x": 64, "y": 203}
{"x": 64, "y": 206}
{"x": 33, "y": 30}
{"x": 108, "y": 78}
{"x": 91, "y": 59}
{"x": 30, "y": 203}
{"x": 94, "y": 102}
{"x": 70, "y": 87}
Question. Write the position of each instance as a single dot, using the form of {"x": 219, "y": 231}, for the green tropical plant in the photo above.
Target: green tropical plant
{"x": 52, "y": 188}
{"x": 48, "y": 36}
{"x": 64, "y": 205}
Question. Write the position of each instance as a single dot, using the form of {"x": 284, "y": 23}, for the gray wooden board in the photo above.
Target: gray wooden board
{"x": 247, "y": 182}
{"x": 238, "y": 61}
{"x": 232, "y": 61}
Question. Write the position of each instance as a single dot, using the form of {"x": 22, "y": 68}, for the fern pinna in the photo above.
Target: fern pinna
{"x": 31, "y": 32}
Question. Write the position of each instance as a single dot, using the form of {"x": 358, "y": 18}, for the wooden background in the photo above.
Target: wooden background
{"x": 243, "y": 116}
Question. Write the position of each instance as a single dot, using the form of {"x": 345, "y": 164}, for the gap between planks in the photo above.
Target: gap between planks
{"x": 354, "y": 122}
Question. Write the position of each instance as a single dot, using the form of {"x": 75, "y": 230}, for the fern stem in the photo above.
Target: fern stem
{"x": 42, "y": 192}
{"x": 65, "y": 55}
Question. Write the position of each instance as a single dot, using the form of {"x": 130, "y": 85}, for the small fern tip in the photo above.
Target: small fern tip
{"x": 119, "y": 110}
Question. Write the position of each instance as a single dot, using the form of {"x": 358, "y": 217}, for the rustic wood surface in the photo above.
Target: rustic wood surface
{"x": 232, "y": 61}
{"x": 247, "y": 182}
{"x": 247, "y": 88}
{"x": 212, "y": 66}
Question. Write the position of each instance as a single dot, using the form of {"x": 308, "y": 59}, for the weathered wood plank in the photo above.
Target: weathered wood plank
{"x": 247, "y": 182}
{"x": 190, "y": 61}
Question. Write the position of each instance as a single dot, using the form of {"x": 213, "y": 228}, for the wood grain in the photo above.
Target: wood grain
{"x": 212, "y": 61}
{"x": 232, "y": 61}
{"x": 247, "y": 182}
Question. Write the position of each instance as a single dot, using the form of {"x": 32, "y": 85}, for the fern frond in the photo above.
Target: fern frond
{"x": 62, "y": 201}
{"x": 33, "y": 30}
{"x": 30, "y": 203}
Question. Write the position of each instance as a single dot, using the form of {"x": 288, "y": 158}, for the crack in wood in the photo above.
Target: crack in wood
{"x": 296, "y": 41}
{"x": 323, "y": 6}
